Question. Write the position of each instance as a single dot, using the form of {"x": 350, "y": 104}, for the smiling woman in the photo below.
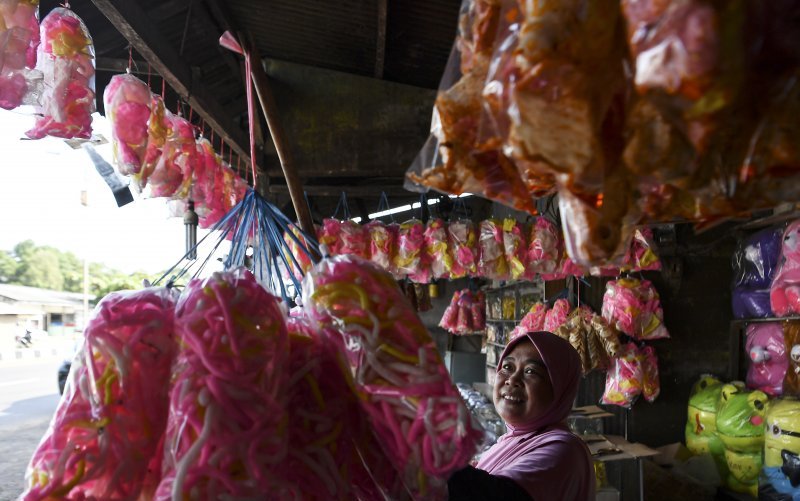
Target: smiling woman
{"x": 538, "y": 458}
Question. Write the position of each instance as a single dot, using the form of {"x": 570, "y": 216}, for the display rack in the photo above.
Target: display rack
{"x": 506, "y": 304}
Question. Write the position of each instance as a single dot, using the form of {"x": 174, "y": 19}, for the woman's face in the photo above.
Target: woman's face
{"x": 522, "y": 388}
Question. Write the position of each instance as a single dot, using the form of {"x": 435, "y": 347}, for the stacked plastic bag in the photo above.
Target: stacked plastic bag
{"x": 466, "y": 313}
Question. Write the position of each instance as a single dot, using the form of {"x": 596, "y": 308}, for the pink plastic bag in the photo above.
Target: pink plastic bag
{"x": 410, "y": 241}
{"x": 784, "y": 294}
{"x": 157, "y": 131}
{"x": 492, "y": 262}
{"x": 556, "y": 315}
{"x": 66, "y": 60}
{"x": 545, "y": 248}
{"x": 179, "y": 152}
{"x": 104, "y": 439}
{"x": 768, "y": 358}
{"x": 227, "y": 415}
{"x": 414, "y": 409}
{"x": 651, "y": 384}
{"x": 641, "y": 254}
{"x": 634, "y": 308}
{"x": 382, "y": 244}
{"x": 463, "y": 241}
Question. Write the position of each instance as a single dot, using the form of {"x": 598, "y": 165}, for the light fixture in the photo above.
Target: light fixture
{"x": 407, "y": 207}
{"x": 190, "y": 221}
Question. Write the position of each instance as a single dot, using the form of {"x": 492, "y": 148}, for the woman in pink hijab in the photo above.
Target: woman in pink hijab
{"x": 538, "y": 458}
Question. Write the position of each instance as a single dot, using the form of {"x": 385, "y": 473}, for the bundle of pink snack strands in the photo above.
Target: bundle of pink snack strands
{"x": 413, "y": 407}
{"x": 127, "y": 104}
{"x": 437, "y": 250}
{"x": 382, "y": 244}
{"x": 103, "y": 441}
{"x": 178, "y": 152}
{"x": 326, "y": 425}
{"x": 19, "y": 28}
{"x": 463, "y": 243}
{"x": 226, "y": 430}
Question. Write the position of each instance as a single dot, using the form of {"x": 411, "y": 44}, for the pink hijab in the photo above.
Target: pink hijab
{"x": 543, "y": 456}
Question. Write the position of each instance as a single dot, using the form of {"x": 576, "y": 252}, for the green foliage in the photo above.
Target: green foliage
{"x": 49, "y": 268}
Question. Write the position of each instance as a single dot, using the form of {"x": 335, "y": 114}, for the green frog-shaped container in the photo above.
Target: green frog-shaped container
{"x": 740, "y": 426}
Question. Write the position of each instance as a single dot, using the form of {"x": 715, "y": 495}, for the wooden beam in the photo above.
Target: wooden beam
{"x": 329, "y": 191}
{"x": 140, "y": 31}
{"x": 117, "y": 65}
{"x": 380, "y": 45}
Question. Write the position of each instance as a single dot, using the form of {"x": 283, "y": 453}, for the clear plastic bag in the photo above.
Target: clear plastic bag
{"x": 227, "y": 406}
{"x": 515, "y": 247}
{"x": 169, "y": 175}
{"x": 104, "y": 439}
{"x": 437, "y": 249}
{"x": 127, "y": 105}
{"x": 624, "y": 379}
{"x": 413, "y": 407}
{"x": 545, "y": 250}
{"x": 634, "y": 308}
{"x": 19, "y": 41}
{"x": 382, "y": 244}
{"x": 556, "y": 315}
{"x": 492, "y": 262}
{"x": 768, "y": 358}
{"x": 157, "y": 130}
{"x": 66, "y": 60}
{"x": 463, "y": 240}
{"x": 785, "y": 289}
{"x": 410, "y": 243}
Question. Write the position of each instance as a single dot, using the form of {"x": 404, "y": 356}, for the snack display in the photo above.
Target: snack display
{"x": 624, "y": 379}
{"x": 595, "y": 342}
{"x": 463, "y": 242}
{"x": 545, "y": 248}
{"x": 103, "y": 441}
{"x": 382, "y": 244}
{"x": 233, "y": 341}
{"x": 127, "y": 104}
{"x": 437, "y": 249}
{"x": 410, "y": 243}
{"x": 514, "y": 247}
{"x": 173, "y": 168}
{"x": 404, "y": 389}
{"x": 466, "y": 313}
{"x": 533, "y": 321}
{"x": 492, "y": 262}
{"x": 556, "y": 315}
{"x": 641, "y": 254}
{"x": 66, "y": 59}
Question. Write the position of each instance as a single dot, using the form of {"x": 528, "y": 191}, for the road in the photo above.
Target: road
{"x": 28, "y": 398}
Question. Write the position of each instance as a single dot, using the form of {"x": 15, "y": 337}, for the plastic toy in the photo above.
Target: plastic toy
{"x": 791, "y": 342}
{"x": 740, "y": 426}
{"x": 782, "y": 447}
{"x": 103, "y": 441}
{"x": 784, "y": 292}
{"x": 768, "y": 358}
{"x": 701, "y": 423}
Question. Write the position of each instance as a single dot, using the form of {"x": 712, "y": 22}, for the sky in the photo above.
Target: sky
{"x": 40, "y": 200}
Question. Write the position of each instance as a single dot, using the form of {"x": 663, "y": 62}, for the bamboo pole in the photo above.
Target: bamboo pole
{"x": 269, "y": 108}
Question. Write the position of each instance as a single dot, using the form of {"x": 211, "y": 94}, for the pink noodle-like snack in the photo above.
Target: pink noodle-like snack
{"x": 514, "y": 247}
{"x": 412, "y": 405}
{"x": 178, "y": 153}
{"x": 229, "y": 189}
{"x": 410, "y": 241}
{"x": 203, "y": 178}
{"x": 326, "y": 426}
{"x": 300, "y": 255}
{"x": 103, "y": 441}
{"x": 127, "y": 104}
{"x": 641, "y": 254}
{"x": 479, "y": 311}
{"x": 437, "y": 248}
{"x": 66, "y": 60}
{"x": 634, "y": 308}
{"x": 330, "y": 235}
{"x": 450, "y": 316}
{"x": 463, "y": 242}
{"x": 226, "y": 430}
{"x": 382, "y": 244}
{"x": 624, "y": 379}
{"x": 492, "y": 262}
{"x": 157, "y": 130}
{"x": 19, "y": 40}
{"x": 545, "y": 248}
{"x": 354, "y": 239}
{"x": 556, "y": 315}
{"x": 532, "y": 321}
{"x": 651, "y": 384}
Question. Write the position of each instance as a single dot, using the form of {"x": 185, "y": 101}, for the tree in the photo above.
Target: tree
{"x": 8, "y": 267}
{"x": 41, "y": 268}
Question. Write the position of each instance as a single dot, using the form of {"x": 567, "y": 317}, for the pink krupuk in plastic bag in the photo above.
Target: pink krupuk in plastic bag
{"x": 300, "y": 255}
{"x": 179, "y": 151}
{"x": 465, "y": 322}
{"x": 556, "y": 315}
{"x": 325, "y": 423}
{"x": 479, "y": 311}
{"x": 66, "y": 60}
{"x": 104, "y": 439}
{"x": 353, "y": 239}
{"x": 329, "y": 235}
{"x": 533, "y": 321}
{"x": 624, "y": 379}
{"x": 651, "y": 384}
{"x": 382, "y": 244}
{"x": 127, "y": 104}
{"x": 410, "y": 241}
{"x": 19, "y": 32}
{"x": 492, "y": 260}
{"x": 515, "y": 247}
{"x": 641, "y": 254}
{"x": 768, "y": 359}
{"x": 229, "y": 189}
{"x": 157, "y": 131}
{"x": 437, "y": 249}
{"x": 784, "y": 294}
{"x": 204, "y": 177}
{"x": 463, "y": 241}
{"x": 226, "y": 431}
{"x": 545, "y": 248}
{"x": 449, "y": 319}
{"x": 634, "y": 308}
{"x": 414, "y": 410}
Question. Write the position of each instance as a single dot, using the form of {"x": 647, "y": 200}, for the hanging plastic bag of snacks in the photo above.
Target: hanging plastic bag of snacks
{"x": 157, "y": 131}
{"x": 624, "y": 378}
{"x": 545, "y": 248}
{"x": 173, "y": 167}
{"x": 66, "y": 60}
{"x": 437, "y": 250}
{"x": 514, "y": 247}
{"x": 127, "y": 104}
{"x": 103, "y": 441}
{"x": 492, "y": 262}
{"x": 651, "y": 385}
{"x": 382, "y": 244}
{"x": 19, "y": 31}
{"x": 463, "y": 242}
{"x": 557, "y": 315}
{"x": 410, "y": 243}
{"x": 414, "y": 410}
{"x": 634, "y": 308}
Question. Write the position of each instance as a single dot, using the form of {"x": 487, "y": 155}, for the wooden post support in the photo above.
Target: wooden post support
{"x": 270, "y": 110}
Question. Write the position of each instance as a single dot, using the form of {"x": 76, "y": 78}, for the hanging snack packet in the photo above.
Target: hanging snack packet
{"x": 492, "y": 262}
{"x": 463, "y": 241}
{"x": 410, "y": 241}
{"x": 514, "y": 247}
{"x": 437, "y": 250}
{"x": 382, "y": 243}
{"x": 19, "y": 29}
{"x": 624, "y": 379}
{"x": 127, "y": 104}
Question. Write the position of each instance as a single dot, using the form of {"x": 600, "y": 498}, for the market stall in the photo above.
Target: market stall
{"x": 602, "y": 172}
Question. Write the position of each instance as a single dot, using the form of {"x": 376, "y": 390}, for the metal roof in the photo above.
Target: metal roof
{"x": 33, "y": 295}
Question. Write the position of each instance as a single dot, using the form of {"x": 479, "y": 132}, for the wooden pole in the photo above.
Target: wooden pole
{"x": 270, "y": 110}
